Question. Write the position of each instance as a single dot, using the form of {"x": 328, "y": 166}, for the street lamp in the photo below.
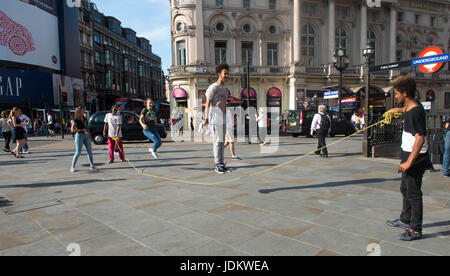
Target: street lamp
{"x": 341, "y": 63}
{"x": 368, "y": 53}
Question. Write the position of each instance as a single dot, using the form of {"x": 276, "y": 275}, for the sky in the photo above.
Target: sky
{"x": 149, "y": 18}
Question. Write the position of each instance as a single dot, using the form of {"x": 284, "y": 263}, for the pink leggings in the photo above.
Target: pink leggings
{"x": 112, "y": 145}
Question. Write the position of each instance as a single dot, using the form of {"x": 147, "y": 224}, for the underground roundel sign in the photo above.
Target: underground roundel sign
{"x": 433, "y": 67}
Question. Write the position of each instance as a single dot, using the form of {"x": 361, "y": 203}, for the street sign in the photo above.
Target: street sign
{"x": 431, "y": 60}
{"x": 331, "y": 95}
{"x": 390, "y": 66}
{"x": 426, "y": 105}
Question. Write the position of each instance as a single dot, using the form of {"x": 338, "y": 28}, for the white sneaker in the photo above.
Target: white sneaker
{"x": 155, "y": 155}
{"x": 72, "y": 170}
{"x": 93, "y": 168}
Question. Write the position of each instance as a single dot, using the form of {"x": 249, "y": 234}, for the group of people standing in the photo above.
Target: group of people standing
{"x": 14, "y": 129}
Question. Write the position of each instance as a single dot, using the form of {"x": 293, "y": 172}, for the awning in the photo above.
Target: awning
{"x": 252, "y": 93}
{"x": 274, "y": 92}
{"x": 355, "y": 89}
{"x": 179, "y": 93}
{"x": 234, "y": 100}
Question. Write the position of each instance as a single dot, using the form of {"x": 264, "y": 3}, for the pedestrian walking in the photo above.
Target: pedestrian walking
{"x": 321, "y": 125}
{"x": 113, "y": 130}
{"x": 446, "y": 163}
{"x": 26, "y": 123}
{"x": 79, "y": 127}
{"x": 216, "y": 102}
{"x": 147, "y": 120}
{"x": 6, "y": 130}
{"x": 51, "y": 125}
{"x": 18, "y": 132}
{"x": 414, "y": 158}
{"x": 261, "y": 119}
{"x": 229, "y": 135}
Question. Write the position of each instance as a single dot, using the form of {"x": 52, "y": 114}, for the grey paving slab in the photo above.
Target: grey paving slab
{"x": 340, "y": 242}
{"x": 167, "y": 209}
{"x": 138, "y": 227}
{"x": 44, "y": 247}
{"x": 114, "y": 244}
{"x": 272, "y": 245}
{"x": 389, "y": 249}
{"x": 211, "y": 248}
{"x": 173, "y": 241}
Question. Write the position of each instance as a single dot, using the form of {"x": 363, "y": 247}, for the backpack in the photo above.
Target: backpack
{"x": 325, "y": 123}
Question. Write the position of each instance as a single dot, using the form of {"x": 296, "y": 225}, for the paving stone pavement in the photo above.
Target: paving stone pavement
{"x": 310, "y": 207}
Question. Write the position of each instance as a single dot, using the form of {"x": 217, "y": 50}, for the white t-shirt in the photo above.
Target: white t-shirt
{"x": 113, "y": 121}
{"x": 262, "y": 120}
{"x": 24, "y": 118}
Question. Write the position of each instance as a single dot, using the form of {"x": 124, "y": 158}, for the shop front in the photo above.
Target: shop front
{"x": 245, "y": 98}
{"x": 274, "y": 97}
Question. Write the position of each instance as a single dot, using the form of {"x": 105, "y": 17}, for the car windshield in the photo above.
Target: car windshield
{"x": 100, "y": 118}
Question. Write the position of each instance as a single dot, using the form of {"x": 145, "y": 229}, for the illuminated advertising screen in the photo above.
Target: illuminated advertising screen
{"x": 24, "y": 41}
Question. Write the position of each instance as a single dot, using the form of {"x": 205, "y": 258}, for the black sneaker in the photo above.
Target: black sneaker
{"x": 228, "y": 170}
{"x": 410, "y": 235}
{"x": 219, "y": 170}
{"x": 398, "y": 223}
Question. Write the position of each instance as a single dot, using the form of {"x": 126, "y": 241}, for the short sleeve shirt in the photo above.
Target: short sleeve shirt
{"x": 149, "y": 115}
{"x": 81, "y": 124}
{"x": 414, "y": 122}
{"x": 218, "y": 96}
{"x": 113, "y": 121}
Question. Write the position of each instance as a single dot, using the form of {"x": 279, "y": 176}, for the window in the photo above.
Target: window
{"x": 181, "y": 52}
{"x": 108, "y": 82}
{"x": 432, "y": 21}
{"x": 247, "y": 28}
{"x": 246, "y": 4}
{"x": 372, "y": 37}
{"x": 341, "y": 40}
{"x": 400, "y": 17}
{"x": 97, "y": 38}
{"x": 272, "y": 29}
{"x": 247, "y": 52}
{"x": 220, "y": 52}
{"x": 343, "y": 12}
{"x": 399, "y": 55}
{"x": 98, "y": 58}
{"x": 220, "y": 27}
{"x": 447, "y": 100}
{"x": 399, "y": 39}
{"x": 310, "y": 8}
{"x": 272, "y": 54}
{"x": 417, "y": 19}
{"x": 309, "y": 45}
{"x": 219, "y": 3}
{"x": 107, "y": 58}
{"x": 273, "y": 4}
{"x": 414, "y": 40}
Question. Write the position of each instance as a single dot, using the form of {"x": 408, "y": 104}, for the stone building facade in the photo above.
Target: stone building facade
{"x": 290, "y": 45}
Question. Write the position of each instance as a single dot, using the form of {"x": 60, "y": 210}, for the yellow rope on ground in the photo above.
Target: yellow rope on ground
{"x": 388, "y": 117}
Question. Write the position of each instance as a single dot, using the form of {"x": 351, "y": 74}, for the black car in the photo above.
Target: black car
{"x": 131, "y": 128}
{"x": 300, "y": 123}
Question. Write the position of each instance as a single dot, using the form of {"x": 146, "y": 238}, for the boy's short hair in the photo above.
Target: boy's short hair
{"x": 221, "y": 67}
{"x": 406, "y": 84}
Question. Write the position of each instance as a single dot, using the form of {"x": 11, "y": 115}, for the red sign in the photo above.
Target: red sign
{"x": 431, "y": 68}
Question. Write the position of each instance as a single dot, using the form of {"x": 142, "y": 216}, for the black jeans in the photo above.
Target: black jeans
{"x": 7, "y": 136}
{"x": 412, "y": 212}
{"x": 322, "y": 143}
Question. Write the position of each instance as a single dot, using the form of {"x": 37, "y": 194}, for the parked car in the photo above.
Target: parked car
{"x": 299, "y": 123}
{"x": 15, "y": 36}
{"x": 131, "y": 128}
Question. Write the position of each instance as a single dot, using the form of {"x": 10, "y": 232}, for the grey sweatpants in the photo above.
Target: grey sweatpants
{"x": 218, "y": 143}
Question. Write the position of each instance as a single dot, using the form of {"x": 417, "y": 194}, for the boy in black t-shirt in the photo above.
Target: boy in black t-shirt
{"x": 414, "y": 158}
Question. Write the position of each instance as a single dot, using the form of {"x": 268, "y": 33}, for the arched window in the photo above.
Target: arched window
{"x": 341, "y": 40}
{"x": 309, "y": 45}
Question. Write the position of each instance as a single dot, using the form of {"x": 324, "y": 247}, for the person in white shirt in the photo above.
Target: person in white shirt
{"x": 321, "y": 125}
{"x": 113, "y": 129}
{"x": 26, "y": 123}
{"x": 229, "y": 135}
{"x": 6, "y": 130}
{"x": 261, "y": 119}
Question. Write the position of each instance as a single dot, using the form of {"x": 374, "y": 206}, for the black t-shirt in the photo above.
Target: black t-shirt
{"x": 149, "y": 116}
{"x": 414, "y": 122}
{"x": 81, "y": 124}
